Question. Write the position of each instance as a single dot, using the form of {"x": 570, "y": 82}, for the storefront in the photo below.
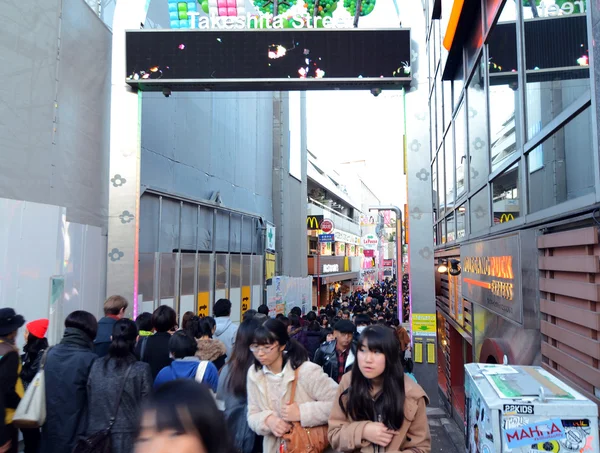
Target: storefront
{"x": 515, "y": 182}
{"x": 332, "y": 275}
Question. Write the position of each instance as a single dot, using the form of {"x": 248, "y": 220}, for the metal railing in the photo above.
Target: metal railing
{"x": 333, "y": 211}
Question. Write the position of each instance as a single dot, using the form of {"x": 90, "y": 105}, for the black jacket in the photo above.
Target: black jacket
{"x": 156, "y": 352}
{"x": 103, "y": 386}
{"x": 103, "y": 341}
{"x": 66, "y": 372}
{"x": 326, "y": 357}
{"x": 9, "y": 399}
{"x": 313, "y": 341}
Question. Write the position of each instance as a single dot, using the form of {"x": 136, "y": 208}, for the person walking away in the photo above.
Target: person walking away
{"x": 337, "y": 356}
{"x": 33, "y": 351}
{"x": 114, "y": 309}
{"x": 144, "y": 324}
{"x": 186, "y": 365}
{"x": 226, "y": 329}
{"x": 210, "y": 348}
{"x": 11, "y": 386}
{"x": 377, "y": 407}
{"x": 66, "y": 372}
{"x": 156, "y": 348}
{"x": 182, "y": 417}
{"x": 104, "y": 382}
{"x": 233, "y": 392}
{"x": 279, "y": 361}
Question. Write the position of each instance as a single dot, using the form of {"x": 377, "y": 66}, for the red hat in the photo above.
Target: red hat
{"x": 38, "y": 328}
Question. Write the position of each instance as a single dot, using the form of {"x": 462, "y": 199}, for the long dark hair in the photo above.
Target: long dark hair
{"x": 274, "y": 331}
{"x": 185, "y": 406}
{"x": 35, "y": 345}
{"x": 356, "y": 401}
{"x": 124, "y": 336}
{"x": 241, "y": 358}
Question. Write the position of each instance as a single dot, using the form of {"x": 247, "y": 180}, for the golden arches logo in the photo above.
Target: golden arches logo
{"x": 506, "y": 217}
{"x": 314, "y": 222}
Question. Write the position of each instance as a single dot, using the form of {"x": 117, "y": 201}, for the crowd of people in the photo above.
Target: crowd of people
{"x": 332, "y": 379}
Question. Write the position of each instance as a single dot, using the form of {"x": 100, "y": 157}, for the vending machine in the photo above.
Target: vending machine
{"x": 525, "y": 409}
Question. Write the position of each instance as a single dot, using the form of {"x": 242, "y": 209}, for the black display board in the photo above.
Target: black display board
{"x": 270, "y": 59}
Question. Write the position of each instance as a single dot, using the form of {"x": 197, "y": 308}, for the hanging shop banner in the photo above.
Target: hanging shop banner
{"x": 388, "y": 263}
{"x": 369, "y": 253}
{"x": 340, "y": 249}
{"x": 492, "y": 272}
{"x": 370, "y": 241}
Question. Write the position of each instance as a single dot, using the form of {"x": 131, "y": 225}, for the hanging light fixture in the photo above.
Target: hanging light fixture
{"x": 442, "y": 266}
{"x": 454, "y": 268}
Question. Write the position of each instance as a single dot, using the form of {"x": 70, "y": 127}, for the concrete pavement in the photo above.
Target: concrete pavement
{"x": 446, "y": 435}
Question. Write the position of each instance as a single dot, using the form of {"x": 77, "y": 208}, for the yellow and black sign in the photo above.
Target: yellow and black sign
{"x": 203, "y": 302}
{"x": 246, "y": 300}
{"x": 503, "y": 217}
{"x": 313, "y": 222}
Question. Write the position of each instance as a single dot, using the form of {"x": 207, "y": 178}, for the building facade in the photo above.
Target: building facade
{"x": 515, "y": 184}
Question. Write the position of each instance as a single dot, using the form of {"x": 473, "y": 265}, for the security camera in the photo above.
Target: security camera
{"x": 166, "y": 92}
{"x": 375, "y": 91}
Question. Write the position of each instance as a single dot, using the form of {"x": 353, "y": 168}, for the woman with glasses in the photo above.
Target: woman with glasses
{"x": 278, "y": 359}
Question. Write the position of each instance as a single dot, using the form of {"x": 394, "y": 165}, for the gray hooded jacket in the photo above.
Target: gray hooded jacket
{"x": 226, "y": 332}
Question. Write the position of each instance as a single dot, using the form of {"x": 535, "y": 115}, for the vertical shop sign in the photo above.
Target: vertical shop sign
{"x": 203, "y": 303}
{"x": 246, "y": 300}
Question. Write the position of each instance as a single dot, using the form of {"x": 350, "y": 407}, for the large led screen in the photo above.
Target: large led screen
{"x": 268, "y": 59}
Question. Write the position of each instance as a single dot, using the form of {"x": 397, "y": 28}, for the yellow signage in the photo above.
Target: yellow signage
{"x": 424, "y": 324}
{"x": 506, "y": 217}
{"x": 492, "y": 266}
{"x": 418, "y": 353}
{"x": 203, "y": 303}
{"x": 430, "y": 353}
{"x": 313, "y": 222}
{"x": 246, "y": 300}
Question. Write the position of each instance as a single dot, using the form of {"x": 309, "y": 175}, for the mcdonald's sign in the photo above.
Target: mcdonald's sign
{"x": 313, "y": 222}
{"x": 504, "y": 217}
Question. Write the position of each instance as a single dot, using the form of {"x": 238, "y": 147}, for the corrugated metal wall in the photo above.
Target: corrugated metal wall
{"x": 570, "y": 320}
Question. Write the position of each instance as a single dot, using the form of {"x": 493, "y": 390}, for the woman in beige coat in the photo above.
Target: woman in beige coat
{"x": 270, "y": 383}
{"x": 377, "y": 408}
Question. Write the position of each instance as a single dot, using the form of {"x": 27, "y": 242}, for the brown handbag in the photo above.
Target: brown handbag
{"x": 307, "y": 440}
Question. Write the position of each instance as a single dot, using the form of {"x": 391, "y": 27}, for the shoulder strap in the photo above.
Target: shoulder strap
{"x": 114, "y": 417}
{"x": 294, "y": 385}
{"x": 201, "y": 370}
{"x": 44, "y": 357}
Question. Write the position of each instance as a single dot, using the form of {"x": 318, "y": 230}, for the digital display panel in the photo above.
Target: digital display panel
{"x": 271, "y": 59}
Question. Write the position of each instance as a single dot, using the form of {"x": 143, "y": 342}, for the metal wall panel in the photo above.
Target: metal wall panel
{"x": 201, "y": 143}
{"x": 54, "y": 128}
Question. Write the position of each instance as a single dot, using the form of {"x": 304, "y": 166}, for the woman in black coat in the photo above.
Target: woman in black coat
{"x": 106, "y": 378}
{"x": 66, "y": 373}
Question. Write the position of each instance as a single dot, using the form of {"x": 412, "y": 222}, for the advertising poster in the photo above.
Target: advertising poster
{"x": 288, "y": 292}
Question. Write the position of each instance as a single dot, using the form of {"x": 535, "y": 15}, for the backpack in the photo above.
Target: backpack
{"x": 101, "y": 442}
{"x": 237, "y": 423}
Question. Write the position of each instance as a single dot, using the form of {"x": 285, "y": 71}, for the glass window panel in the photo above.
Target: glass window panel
{"x": 556, "y": 59}
{"x": 235, "y": 271}
{"x": 479, "y": 214}
{"x": 434, "y": 188}
{"x": 167, "y": 278}
{"x": 505, "y": 195}
{"x": 441, "y": 182}
{"x": 443, "y": 227}
{"x": 246, "y": 266}
{"x": 188, "y": 270}
{"x": 439, "y": 106}
{"x": 460, "y": 142}
{"x": 204, "y": 273}
{"x": 221, "y": 271}
{"x": 559, "y": 168}
{"x": 146, "y": 277}
{"x": 477, "y": 121}
{"x": 257, "y": 276}
{"x": 449, "y": 147}
{"x": 503, "y": 87}
{"x": 432, "y": 121}
{"x": 461, "y": 218}
{"x": 450, "y": 228}
{"x": 438, "y": 40}
{"x": 475, "y": 41}
{"x": 459, "y": 82}
{"x": 447, "y": 95}
{"x": 435, "y": 235}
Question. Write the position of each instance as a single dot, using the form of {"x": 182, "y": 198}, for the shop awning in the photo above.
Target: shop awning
{"x": 339, "y": 277}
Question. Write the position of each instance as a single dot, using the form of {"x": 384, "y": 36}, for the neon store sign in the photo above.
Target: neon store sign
{"x": 497, "y": 267}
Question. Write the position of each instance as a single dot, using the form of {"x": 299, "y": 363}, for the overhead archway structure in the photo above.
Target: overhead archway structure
{"x": 282, "y": 55}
